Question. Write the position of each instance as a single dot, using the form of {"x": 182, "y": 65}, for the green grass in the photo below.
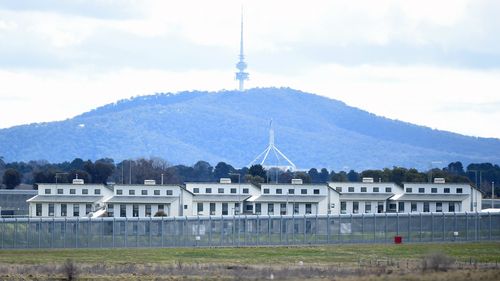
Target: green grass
{"x": 482, "y": 252}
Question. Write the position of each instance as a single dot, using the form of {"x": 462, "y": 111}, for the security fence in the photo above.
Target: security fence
{"x": 244, "y": 230}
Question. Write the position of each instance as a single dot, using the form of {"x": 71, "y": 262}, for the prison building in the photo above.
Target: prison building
{"x": 438, "y": 196}
{"x": 296, "y": 198}
{"x": 13, "y": 202}
{"x": 148, "y": 200}
{"x": 69, "y": 200}
{"x": 221, "y": 199}
{"x": 366, "y": 196}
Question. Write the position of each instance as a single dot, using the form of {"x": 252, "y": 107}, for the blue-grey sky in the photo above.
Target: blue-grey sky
{"x": 434, "y": 63}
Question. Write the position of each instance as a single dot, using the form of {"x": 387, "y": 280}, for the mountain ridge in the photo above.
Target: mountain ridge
{"x": 231, "y": 126}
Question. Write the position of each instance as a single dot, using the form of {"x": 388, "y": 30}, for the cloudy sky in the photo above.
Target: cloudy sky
{"x": 433, "y": 63}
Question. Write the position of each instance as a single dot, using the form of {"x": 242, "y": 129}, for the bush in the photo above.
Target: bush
{"x": 436, "y": 261}
{"x": 160, "y": 214}
{"x": 70, "y": 270}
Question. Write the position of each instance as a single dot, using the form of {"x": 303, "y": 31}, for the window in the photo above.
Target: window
{"x": 447, "y": 190}
{"x": 291, "y": 191}
{"x": 185, "y": 207}
{"x": 283, "y": 208}
{"x": 148, "y": 210}
{"x": 135, "y": 210}
{"x": 279, "y": 191}
{"x": 245, "y": 190}
{"x": 59, "y": 191}
{"x": 111, "y": 210}
{"x": 392, "y": 207}
{"x": 47, "y": 191}
{"x": 368, "y": 207}
{"x": 388, "y": 189}
{"x": 196, "y": 190}
{"x": 224, "y": 209}
{"x": 270, "y": 209}
{"x": 144, "y": 192}
{"x": 338, "y": 188}
{"x": 123, "y": 210}
{"x": 343, "y": 207}
{"x": 236, "y": 208}
{"x": 316, "y": 191}
{"x": 451, "y": 207}
{"x": 401, "y": 207}
{"x": 212, "y": 209}
{"x": 119, "y": 192}
{"x": 51, "y": 209}
{"x": 38, "y": 210}
{"x": 266, "y": 190}
{"x": 413, "y": 206}
{"x": 220, "y": 190}
{"x": 434, "y": 190}
{"x": 64, "y": 210}
{"x": 459, "y": 190}
{"x": 88, "y": 208}
{"x": 408, "y": 190}
{"x": 426, "y": 207}
{"x": 296, "y": 208}
{"x": 249, "y": 208}
{"x": 199, "y": 207}
{"x": 380, "y": 207}
{"x": 85, "y": 191}
{"x": 208, "y": 190}
{"x": 72, "y": 191}
{"x": 169, "y": 192}
{"x": 303, "y": 191}
{"x": 76, "y": 210}
{"x": 355, "y": 207}
{"x": 156, "y": 192}
{"x": 363, "y": 189}
{"x": 97, "y": 191}
{"x": 308, "y": 208}
{"x": 439, "y": 207}
{"x": 131, "y": 192}
{"x": 233, "y": 190}
{"x": 161, "y": 207}
{"x": 375, "y": 189}
{"x": 350, "y": 189}
{"x": 421, "y": 190}
{"x": 258, "y": 208}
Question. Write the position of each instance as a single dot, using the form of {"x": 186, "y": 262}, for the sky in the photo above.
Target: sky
{"x": 432, "y": 63}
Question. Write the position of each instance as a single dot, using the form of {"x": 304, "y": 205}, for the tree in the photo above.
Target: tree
{"x": 456, "y": 168}
{"x": 222, "y": 170}
{"x": 303, "y": 176}
{"x": 11, "y": 178}
{"x": 314, "y": 175}
{"x": 352, "y": 176}
{"x": 324, "y": 175}
{"x": 257, "y": 170}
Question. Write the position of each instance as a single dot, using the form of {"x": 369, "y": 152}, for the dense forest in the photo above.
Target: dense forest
{"x": 136, "y": 171}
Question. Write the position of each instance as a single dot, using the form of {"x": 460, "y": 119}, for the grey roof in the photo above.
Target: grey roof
{"x": 64, "y": 199}
{"x": 289, "y": 198}
{"x": 430, "y": 197}
{"x": 141, "y": 199}
{"x": 220, "y": 198}
{"x": 365, "y": 196}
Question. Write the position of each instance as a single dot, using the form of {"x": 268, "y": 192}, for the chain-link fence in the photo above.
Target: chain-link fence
{"x": 246, "y": 230}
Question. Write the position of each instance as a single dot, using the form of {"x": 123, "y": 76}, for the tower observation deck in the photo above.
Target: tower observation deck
{"x": 241, "y": 75}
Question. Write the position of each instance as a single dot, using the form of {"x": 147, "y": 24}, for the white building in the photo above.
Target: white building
{"x": 366, "y": 196}
{"x": 295, "y": 199}
{"x": 223, "y": 198}
{"x": 437, "y": 197}
{"x": 69, "y": 200}
{"x": 148, "y": 200}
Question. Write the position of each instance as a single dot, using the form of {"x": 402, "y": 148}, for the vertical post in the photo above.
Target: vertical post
{"x": 77, "y": 230}
{"x": 409, "y": 227}
{"x": 28, "y": 226}
{"x": 162, "y": 229}
{"x": 126, "y": 232}
{"x": 258, "y": 231}
{"x": 221, "y": 230}
{"x": 269, "y": 225}
{"x": 65, "y": 230}
{"x": 444, "y": 227}
{"x": 352, "y": 232}
{"x": 328, "y": 228}
{"x": 385, "y": 229}
{"x": 466, "y": 226}
{"x": 374, "y": 227}
{"x": 210, "y": 231}
{"x": 15, "y": 233}
{"x": 476, "y": 226}
{"x": 340, "y": 228}
{"x": 305, "y": 230}
{"x": 113, "y": 231}
{"x": 39, "y": 233}
{"x": 362, "y": 227}
{"x": 432, "y": 226}
{"x": 3, "y": 229}
{"x": 53, "y": 232}
{"x": 489, "y": 215}
{"x": 150, "y": 228}
{"x": 397, "y": 224}
{"x": 420, "y": 227}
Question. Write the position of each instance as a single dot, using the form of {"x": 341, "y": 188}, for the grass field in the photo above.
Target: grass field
{"x": 339, "y": 262}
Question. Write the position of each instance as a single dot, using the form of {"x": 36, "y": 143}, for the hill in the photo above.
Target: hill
{"x": 231, "y": 126}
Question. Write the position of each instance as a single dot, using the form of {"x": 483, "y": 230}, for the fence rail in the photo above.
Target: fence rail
{"x": 243, "y": 230}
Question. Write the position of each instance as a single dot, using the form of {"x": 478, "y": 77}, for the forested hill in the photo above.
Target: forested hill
{"x": 230, "y": 126}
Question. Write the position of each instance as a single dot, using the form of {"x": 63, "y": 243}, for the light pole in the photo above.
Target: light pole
{"x": 478, "y": 186}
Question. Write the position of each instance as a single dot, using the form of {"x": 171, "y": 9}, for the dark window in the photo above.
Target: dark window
{"x": 156, "y": 192}
{"x": 245, "y": 190}
{"x": 447, "y": 190}
{"x": 368, "y": 207}
{"x": 266, "y": 190}
{"x": 388, "y": 189}
{"x": 434, "y": 190}
{"x": 51, "y": 209}
{"x": 97, "y": 191}
{"x": 283, "y": 208}
{"x": 270, "y": 209}
{"x": 64, "y": 210}
{"x": 296, "y": 208}
{"x": 59, "y": 191}
{"x": 451, "y": 207}
{"x": 279, "y": 191}
{"x": 343, "y": 207}
{"x": 111, "y": 210}
{"x": 196, "y": 190}
{"x": 355, "y": 207}
{"x": 47, "y": 191}
{"x": 135, "y": 210}
{"x": 169, "y": 192}
{"x": 375, "y": 189}
{"x": 338, "y": 188}
{"x": 38, "y": 210}
{"x": 72, "y": 191}
{"x": 224, "y": 209}
{"x": 392, "y": 207}
{"x": 131, "y": 192}
{"x": 233, "y": 190}
{"x": 212, "y": 208}
{"x": 308, "y": 208}
{"x": 88, "y": 208}
{"x": 119, "y": 192}
{"x": 426, "y": 207}
{"x": 144, "y": 192}
{"x": 76, "y": 210}
{"x": 303, "y": 191}
{"x": 291, "y": 191}
{"x": 459, "y": 190}
{"x": 439, "y": 207}
{"x": 408, "y": 190}
{"x": 258, "y": 208}
{"x": 316, "y": 191}
{"x": 161, "y": 208}
{"x": 401, "y": 207}
{"x": 413, "y": 207}
{"x": 85, "y": 191}
{"x": 421, "y": 190}
{"x": 148, "y": 210}
{"x": 123, "y": 211}
{"x": 200, "y": 208}
{"x": 350, "y": 189}
{"x": 208, "y": 190}
{"x": 220, "y": 190}
{"x": 363, "y": 189}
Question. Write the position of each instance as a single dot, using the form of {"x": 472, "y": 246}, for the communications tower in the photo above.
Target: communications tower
{"x": 241, "y": 75}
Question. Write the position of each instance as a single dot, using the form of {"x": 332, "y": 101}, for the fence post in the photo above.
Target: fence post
{"x": 269, "y": 225}
{"x": 162, "y": 230}
{"x": 77, "y": 230}
{"x": 489, "y": 215}
{"x": 466, "y": 226}
{"x": 305, "y": 229}
{"x": 65, "y": 230}
{"x": 15, "y": 233}
{"x": 39, "y": 233}
{"x": 351, "y": 236}
{"x": 421, "y": 225}
{"x": 210, "y": 231}
{"x": 126, "y": 232}
{"x": 476, "y": 234}
{"x": 3, "y": 230}
{"x": 328, "y": 229}
{"x": 150, "y": 228}
{"x": 397, "y": 224}
{"x": 221, "y": 230}
{"x": 113, "y": 232}
{"x": 385, "y": 228}
{"x": 432, "y": 226}
{"x": 363, "y": 227}
{"x": 53, "y": 232}
{"x": 444, "y": 227}
{"x": 28, "y": 233}
{"x": 409, "y": 227}
{"x": 258, "y": 230}
{"x": 340, "y": 228}
{"x": 374, "y": 226}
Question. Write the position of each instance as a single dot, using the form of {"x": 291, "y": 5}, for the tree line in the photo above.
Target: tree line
{"x": 136, "y": 171}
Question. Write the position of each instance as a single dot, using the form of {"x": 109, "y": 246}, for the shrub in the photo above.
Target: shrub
{"x": 160, "y": 214}
{"x": 436, "y": 261}
{"x": 70, "y": 270}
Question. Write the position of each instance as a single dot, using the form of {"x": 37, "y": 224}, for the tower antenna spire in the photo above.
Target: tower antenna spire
{"x": 241, "y": 75}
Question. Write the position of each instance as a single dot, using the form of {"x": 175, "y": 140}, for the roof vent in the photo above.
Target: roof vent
{"x": 225, "y": 180}
{"x": 297, "y": 181}
{"x": 367, "y": 179}
{"x": 439, "y": 180}
{"x": 149, "y": 182}
{"x": 78, "y": 181}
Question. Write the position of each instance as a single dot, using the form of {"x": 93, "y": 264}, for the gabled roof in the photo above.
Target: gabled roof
{"x": 429, "y": 197}
{"x": 64, "y": 199}
{"x": 289, "y": 198}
